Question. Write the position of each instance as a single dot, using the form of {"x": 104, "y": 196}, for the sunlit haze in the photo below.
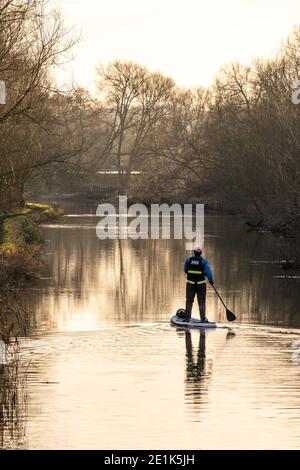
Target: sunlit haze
{"x": 187, "y": 40}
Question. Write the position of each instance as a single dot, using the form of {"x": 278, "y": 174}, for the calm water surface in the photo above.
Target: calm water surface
{"x": 99, "y": 366}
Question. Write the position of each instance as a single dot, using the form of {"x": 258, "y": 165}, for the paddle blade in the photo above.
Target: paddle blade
{"x": 230, "y": 316}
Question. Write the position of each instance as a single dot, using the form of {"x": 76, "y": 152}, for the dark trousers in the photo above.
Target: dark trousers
{"x": 191, "y": 291}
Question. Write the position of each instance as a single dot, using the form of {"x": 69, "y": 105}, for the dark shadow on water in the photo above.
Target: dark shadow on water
{"x": 13, "y": 325}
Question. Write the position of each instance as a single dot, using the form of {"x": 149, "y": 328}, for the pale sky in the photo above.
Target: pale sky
{"x": 187, "y": 40}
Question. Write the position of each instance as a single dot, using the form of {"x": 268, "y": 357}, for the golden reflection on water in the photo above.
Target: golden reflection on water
{"x": 149, "y": 387}
{"x": 102, "y": 368}
{"x": 95, "y": 282}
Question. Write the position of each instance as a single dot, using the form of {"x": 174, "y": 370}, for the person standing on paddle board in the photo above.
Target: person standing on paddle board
{"x": 197, "y": 269}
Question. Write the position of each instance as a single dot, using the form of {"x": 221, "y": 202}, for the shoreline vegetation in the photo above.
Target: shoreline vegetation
{"x": 22, "y": 241}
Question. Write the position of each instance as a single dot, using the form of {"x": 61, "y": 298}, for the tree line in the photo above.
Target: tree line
{"x": 234, "y": 145}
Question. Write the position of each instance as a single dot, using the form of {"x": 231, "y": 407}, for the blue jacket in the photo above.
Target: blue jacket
{"x": 207, "y": 269}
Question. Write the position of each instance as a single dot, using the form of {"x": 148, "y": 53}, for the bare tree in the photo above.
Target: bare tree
{"x": 33, "y": 40}
{"x": 137, "y": 100}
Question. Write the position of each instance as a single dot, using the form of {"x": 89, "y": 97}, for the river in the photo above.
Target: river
{"x": 98, "y": 365}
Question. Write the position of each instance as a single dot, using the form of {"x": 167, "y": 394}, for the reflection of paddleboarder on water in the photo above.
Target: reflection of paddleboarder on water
{"x": 195, "y": 368}
{"x": 197, "y": 373}
{"x": 198, "y": 368}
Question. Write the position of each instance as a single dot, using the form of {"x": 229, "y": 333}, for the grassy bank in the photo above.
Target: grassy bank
{"x": 21, "y": 242}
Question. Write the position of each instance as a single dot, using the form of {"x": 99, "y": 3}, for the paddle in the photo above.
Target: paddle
{"x": 230, "y": 315}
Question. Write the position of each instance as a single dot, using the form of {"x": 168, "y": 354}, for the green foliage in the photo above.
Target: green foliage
{"x": 6, "y": 235}
{"x": 21, "y": 241}
{"x": 31, "y": 231}
{"x": 37, "y": 206}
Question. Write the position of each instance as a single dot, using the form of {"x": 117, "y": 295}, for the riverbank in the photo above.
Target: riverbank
{"x": 21, "y": 242}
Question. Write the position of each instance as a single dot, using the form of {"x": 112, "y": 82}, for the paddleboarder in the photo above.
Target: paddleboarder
{"x": 197, "y": 270}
